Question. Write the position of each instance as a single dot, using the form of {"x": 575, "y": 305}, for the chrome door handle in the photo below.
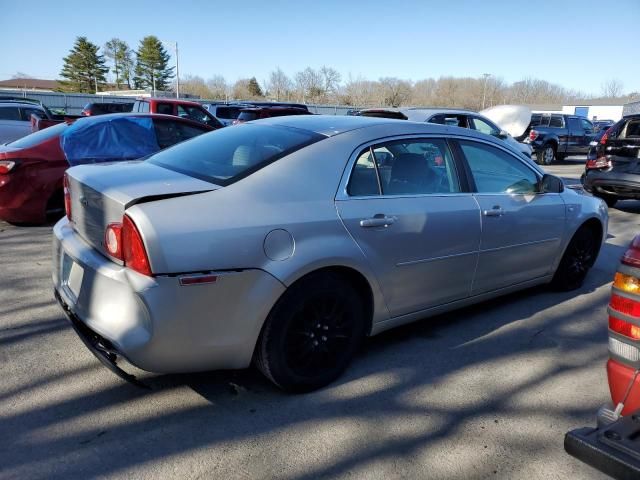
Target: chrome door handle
{"x": 494, "y": 212}
{"x": 377, "y": 221}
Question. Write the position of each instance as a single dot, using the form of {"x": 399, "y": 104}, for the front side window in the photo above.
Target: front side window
{"x": 27, "y": 112}
{"x": 484, "y": 126}
{"x": 586, "y": 125}
{"x": 229, "y": 154}
{"x": 495, "y": 171}
{"x": 405, "y": 167}
{"x": 574, "y": 124}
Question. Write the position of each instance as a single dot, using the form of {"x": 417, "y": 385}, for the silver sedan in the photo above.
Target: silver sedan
{"x": 287, "y": 241}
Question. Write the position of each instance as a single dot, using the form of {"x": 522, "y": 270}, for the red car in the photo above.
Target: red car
{"x": 32, "y": 167}
{"x": 614, "y": 446}
{"x": 178, "y": 108}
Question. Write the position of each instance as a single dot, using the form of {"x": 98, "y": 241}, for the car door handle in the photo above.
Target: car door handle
{"x": 377, "y": 221}
{"x": 494, "y": 212}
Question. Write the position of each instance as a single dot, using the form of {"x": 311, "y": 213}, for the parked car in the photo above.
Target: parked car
{"x": 256, "y": 113}
{"x": 15, "y": 118}
{"x": 449, "y": 116}
{"x": 613, "y": 447}
{"x": 225, "y": 113}
{"x": 290, "y": 239}
{"x": 555, "y": 136}
{"x": 32, "y": 168}
{"x": 611, "y": 171}
{"x": 104, "y": 108}
{"x": 178, "y": 108}
{"x": 602, "y": 125}
{"x": 301, "y": 106}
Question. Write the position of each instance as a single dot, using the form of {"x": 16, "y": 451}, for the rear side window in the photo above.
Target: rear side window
{"x": 229, "y": 154}
{"x": 169, "y": 133}
{"x": 142, "y": 107}
{"x": 164, "y": 108}
{"x": 556, "y": 121}
{"x": 404, "y": 167}
{"x": 495, "y": 171}
{"x": 9, "y": 113}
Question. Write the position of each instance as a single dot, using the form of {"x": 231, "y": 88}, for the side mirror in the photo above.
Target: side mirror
{"x": 502, "y": 134}
{"x": 551, "y": 184}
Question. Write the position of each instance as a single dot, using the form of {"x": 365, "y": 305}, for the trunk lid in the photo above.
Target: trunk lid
{"x": 101, "y": 193}
{"x": 623, "y": 148}
{"x": 513, "y": 118}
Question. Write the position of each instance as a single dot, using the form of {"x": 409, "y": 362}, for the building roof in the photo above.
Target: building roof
{"x": 30, "y": 84}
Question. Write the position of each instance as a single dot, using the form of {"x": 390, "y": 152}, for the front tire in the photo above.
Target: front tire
{"x": 312, "y": 333}
{"x": 578, "y": 258}
{"x": 546, "y": 155}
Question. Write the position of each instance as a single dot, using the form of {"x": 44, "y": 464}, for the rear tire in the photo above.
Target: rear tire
{"x": 578, "y": 258}
{"x": 312, "y": 333}
{"x": 546, "y": 155}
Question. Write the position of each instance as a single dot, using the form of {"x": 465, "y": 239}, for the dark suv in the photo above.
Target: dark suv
{"x": 91, "y": 109}
{"x": 612, "y": 171}
{"x": 256, "y": 113}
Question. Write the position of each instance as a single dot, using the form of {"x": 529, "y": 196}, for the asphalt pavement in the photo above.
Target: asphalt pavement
{"x": 483, "y": 392}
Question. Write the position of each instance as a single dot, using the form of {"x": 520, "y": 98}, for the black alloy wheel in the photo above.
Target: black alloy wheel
{"x": 312, "y": 333}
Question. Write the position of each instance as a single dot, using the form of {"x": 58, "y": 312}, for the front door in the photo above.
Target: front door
{"x": 521, "y": 230}
{"x": 406, "y": 209}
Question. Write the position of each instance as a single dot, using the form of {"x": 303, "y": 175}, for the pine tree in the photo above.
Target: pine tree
{"x": 120, "y": 54}
{"x": 152, "y": 70}
{"x": 254, "y": 87}
{"x": 84, "y": 68}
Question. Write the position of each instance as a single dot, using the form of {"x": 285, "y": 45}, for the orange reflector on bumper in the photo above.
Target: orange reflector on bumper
{"x": 626, "y": 283}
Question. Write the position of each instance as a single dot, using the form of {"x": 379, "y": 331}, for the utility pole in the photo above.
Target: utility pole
{"x": 153, "y": 77}
{"x": 174, "y": 46}
{"x": 484, "y": 89}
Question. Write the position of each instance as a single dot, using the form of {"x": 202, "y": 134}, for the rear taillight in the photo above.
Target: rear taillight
{"x": 67, "y": 196}
{"x": 625, "y": 305}
{"x": 632, "y": 256}
{"x": 627, "y": 329}
{"x": 533, "y": 135}
{"x": 600, "y": 162}
{"x": 124, "y": 242}
{"x": 6, "y": 166}
{"x": 605, "y": 137}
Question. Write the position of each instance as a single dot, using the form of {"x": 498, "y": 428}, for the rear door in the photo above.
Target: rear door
{"x": 521, "y": 229}
{"x": 407, "y": 208}
{"x": 623, "y": 146}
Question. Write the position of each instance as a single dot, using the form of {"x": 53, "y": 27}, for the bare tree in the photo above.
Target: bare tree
{"x": 195, "y": 85}
{"x": 330, "y": 80}
{"x": 309, "y": 85}
{"x": 241, "y": 89}
{"x": 612, "y": 88}
{"x": 395, "y": 91}
{"x": 279, "y": 85}
{"x": 218, "y": 87}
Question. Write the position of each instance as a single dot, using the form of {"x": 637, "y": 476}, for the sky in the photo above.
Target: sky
{"x": 577, "y": 44}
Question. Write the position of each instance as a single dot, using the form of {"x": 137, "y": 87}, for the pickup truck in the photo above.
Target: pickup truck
{"x": 555, "y": 136}
{"x": 178, "y": 108}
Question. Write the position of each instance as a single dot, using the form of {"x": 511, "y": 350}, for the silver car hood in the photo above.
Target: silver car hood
{"x": 101, "y": 193}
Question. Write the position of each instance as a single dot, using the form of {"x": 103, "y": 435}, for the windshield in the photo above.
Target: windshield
{"x": 39, "y": 136}
{"x": 229, "y": 154}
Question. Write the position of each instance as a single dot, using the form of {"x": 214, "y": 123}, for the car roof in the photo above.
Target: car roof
{"x": 17, "y": 103}
{"x": 168, "y": 100}
{"x": 330, "y": 125}
{"x": 276, "y": 108}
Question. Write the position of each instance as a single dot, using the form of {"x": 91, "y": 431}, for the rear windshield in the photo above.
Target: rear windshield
{"x": 229, "y": 154}
{"x": 39, "y": 136}
{"x": 247, "y": 116}
{"x": 228, "y": 113}
{"x": 631, "y": 129}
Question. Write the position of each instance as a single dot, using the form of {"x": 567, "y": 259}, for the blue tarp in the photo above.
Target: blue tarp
{"x": 109, "y": 139}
